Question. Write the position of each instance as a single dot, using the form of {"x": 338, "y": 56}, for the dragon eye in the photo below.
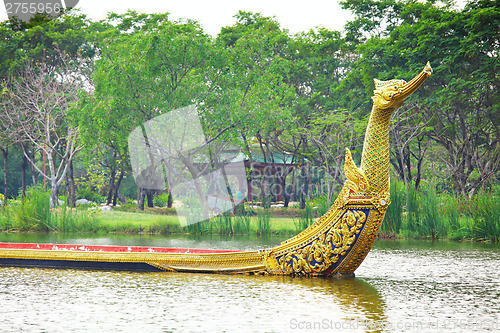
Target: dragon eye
{"x": 396, "y": 87}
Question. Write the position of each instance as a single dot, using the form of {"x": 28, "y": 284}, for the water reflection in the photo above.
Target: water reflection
{"x": 72, "y": 300}
{"x": 437, "y": 286}
{"x": 404, "y": 286}
{"x": 355, "y": 297}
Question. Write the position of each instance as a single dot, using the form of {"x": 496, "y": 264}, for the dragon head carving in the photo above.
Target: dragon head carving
{"x": 392, "y": 93}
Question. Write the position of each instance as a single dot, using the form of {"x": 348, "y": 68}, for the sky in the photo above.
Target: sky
{"x": 295, "y": 16}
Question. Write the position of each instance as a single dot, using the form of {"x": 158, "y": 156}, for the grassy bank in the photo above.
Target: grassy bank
{"x": 412, "y": 214}
{"x": 67, "y": 220}
{"x": 32, "y": 214}
{"x": 130, "y": 222}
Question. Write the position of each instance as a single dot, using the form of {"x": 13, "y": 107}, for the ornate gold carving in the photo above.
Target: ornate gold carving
{"x": 382, "y": 201}
{"x": 363, "y": 245}
{"x": 355, "y": 177}
{"x": 326, "y": 250}
{"x": 355, "y": 181}
{"x": 388, "y": 96}
{"x": 365, "y": 188}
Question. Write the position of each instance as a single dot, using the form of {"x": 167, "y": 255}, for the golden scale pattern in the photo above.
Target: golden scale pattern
{"x": 336, "y": 243}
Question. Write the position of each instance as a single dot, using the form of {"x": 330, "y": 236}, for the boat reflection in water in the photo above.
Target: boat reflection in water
{"x": 111, "y": 301}
{"x": 357, "y": 299}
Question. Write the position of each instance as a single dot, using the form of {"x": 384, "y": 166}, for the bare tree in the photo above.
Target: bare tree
{"x": 329, "y": 134}
{"x": 470, "y": 133}
{"x": 404, "y": 130}
{"x": 36, "y": 103}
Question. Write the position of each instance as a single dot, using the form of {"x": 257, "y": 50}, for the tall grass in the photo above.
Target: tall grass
{"x": 412, "y": 213}
{"x": 263, "y": 222}
{"x": 200, "y": 228}
{"x": 394, "y": 214}
{"x": 412, "y": 210}
{"x": 264, "y": 218}
{"x": 241, "y": 225}
{"x": 306, "y": 218}
{"x": 70, "y": 220}
{"x": 223, "y": 224}
{"x": 429, "y": 214}
{"x": 486, "y": 215}
{"x": 431, "y": 222}
{"x": 452, "y": 204}
{"x": 5, "y": 219}
{"x": 33, "y": 213}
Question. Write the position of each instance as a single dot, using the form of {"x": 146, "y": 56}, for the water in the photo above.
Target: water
{"x": 402, "y": 286}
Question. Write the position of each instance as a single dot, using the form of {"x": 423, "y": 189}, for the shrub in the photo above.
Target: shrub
{"x": 32, "y": 213}
{"x": 161, "y": 200}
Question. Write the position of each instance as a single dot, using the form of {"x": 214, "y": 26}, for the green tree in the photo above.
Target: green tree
{"x": 42, "y": 40}
{"x": 461, "y": 98}
{"x": 148, "y": 65}
{"x": 255, "y": 91}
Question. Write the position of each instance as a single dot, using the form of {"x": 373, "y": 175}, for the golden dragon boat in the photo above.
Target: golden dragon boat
{"x": 336, "y": 244}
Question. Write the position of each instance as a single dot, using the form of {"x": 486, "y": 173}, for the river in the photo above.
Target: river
{"x": 402, "y": 286}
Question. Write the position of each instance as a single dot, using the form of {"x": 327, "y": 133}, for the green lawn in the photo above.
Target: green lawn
{"x": 119, "y": 221}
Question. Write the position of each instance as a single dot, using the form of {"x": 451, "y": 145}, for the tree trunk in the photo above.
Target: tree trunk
{"x": 141, "y": 196}
{"x": 286, "y": 195}
{"x": 405, "y": 180}
{"x": 302, "y": 203}
{"x": 71, "y": 187}
{"x": 304, "y": 185}
{"x": 303, "y": 177}
{"x": 292, "y": 193}
{"x": 111, "y": 186}
{"x": 53, "y": 180}
{"x": 24, "y": 164}
{"x": 54, "y": 193}
{"x": 121, "y": 197}
{"x": 170, "y": 201}
{"x": 117, "y": 186}
{"x": 406, "y": 156}
{"x": 5, "y": 153}
{"x": 149, "y": 195}
{"x": 31, "y": 167}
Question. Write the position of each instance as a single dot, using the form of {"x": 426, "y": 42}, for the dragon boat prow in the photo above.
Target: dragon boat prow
{"x": 336, "y": 244}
